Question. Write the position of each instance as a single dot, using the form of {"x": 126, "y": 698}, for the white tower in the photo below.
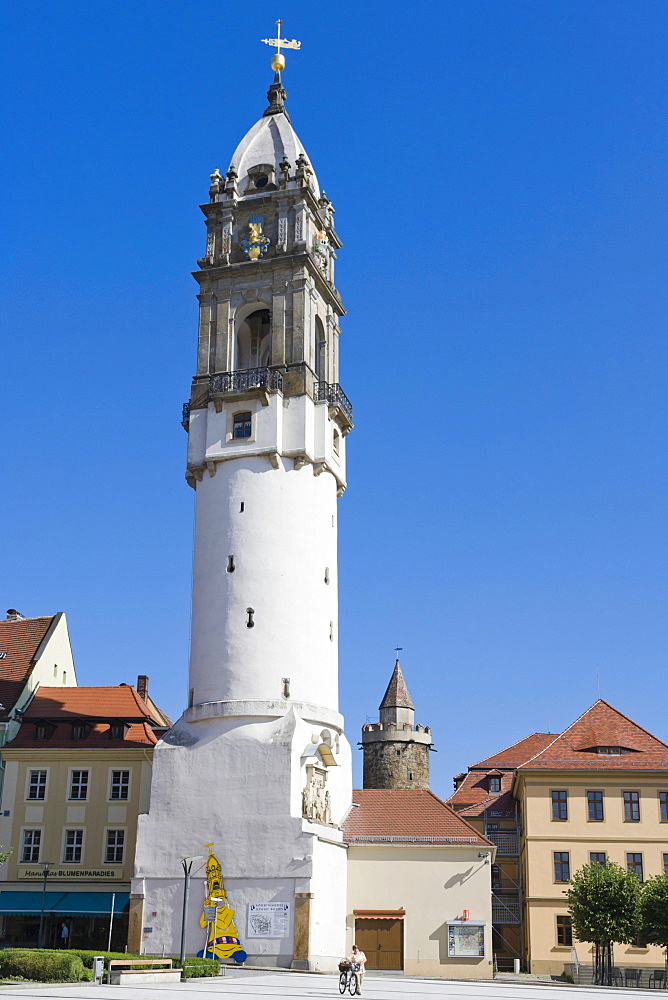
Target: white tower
{"x": 258, "y": 763}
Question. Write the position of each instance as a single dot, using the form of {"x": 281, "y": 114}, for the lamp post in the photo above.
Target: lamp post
{"x": 187, "y": 864}
{"x": 45, "y": 870}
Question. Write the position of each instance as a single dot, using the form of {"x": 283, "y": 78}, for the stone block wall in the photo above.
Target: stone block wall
{"x": 389, "y": 764}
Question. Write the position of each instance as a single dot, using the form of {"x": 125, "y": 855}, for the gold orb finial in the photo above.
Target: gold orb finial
{"x": 278, "y": 59}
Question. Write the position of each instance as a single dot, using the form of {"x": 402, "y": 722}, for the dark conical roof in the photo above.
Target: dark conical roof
{"x": 397, "y": 695}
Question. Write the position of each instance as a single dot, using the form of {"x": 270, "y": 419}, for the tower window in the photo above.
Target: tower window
{"x": 230, "y": 564}
{"x": 242, "y": 425}
{"x": 410, "y": 775}
{"x": 326, "y": 574}
{"x": 335, "y": 442}
{"x": 261, "y": 181}
{"x": 286, "y": 687}
{"x": 249, "y": 618}
{"x": 242, "y": 507}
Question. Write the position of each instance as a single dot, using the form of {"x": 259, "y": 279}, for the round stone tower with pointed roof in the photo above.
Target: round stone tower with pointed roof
{"x": 258, "y": 763}
{"x": 396, "y": 751}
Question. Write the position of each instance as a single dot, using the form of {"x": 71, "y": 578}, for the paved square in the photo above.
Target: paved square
{"x": 248, "y": 985}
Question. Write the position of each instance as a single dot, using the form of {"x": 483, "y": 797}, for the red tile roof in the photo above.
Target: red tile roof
{"x": 397, "y": 695}
{"x": 604, "y": 725}
{"x": 517, "y": 753}
{"x": 95, "y": 705}
{"x": 474, "y": 791}
{"x": 406, "y": 815}
{"x": 20, "y": 639}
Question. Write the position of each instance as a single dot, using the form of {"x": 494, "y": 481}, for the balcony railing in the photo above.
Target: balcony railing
{"x": 248, "y": 378}
{"x": 507, "y": 842}
{"x": 334, "y": 394}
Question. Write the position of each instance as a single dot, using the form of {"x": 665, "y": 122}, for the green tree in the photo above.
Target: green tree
{"x": 603, "y": 901}
{"x": 654, "y": 912}
{"x": 4, "y": 855}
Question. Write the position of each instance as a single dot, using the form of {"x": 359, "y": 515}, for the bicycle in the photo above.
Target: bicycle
{"x": 348, "y": 977}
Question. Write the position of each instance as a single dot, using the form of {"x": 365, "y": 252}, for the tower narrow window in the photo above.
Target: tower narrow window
{"x": 242, "y": 507}
{"x": 285, "y": 681}
{"x": 249, "y": 618}
{"x": 230, "y": 564}
{"x": 336, "y": 440}
{"x": 331, "y": 631}
{"x": 319, "y": 350}
{"x": 326, "y": 574}
{"x": 243, "y": 425}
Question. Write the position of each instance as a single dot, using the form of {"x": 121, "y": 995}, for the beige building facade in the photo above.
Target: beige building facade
{"x": 77, "y": 776}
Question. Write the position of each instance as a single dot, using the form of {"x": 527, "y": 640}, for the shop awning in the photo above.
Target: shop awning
{"x": 28, "y": 903}
{"x": 95, "y": 904}
{"x": 380, "y": 914}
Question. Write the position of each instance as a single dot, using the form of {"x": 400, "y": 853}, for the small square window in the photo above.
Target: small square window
{"x": 597, "y": 857}
{"x": 564, "y": 931}
{"x": 30, "y": 846}
{"x": 37, "y": 786}
{"x": 560, "y": 805}
{"x": 494, "y": 783}
{"x": 631, "y": 807}
{"x": 595, "y": 807}
{"x": 242, "y": 425}
{"x": 562, "y": 866}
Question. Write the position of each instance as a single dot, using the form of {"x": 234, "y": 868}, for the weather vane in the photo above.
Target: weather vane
{"x": 278, "y": 60}
{"x": 397, "y": 650}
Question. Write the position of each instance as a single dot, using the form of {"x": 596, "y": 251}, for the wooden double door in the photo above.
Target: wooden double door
{"x": 382, "y": 941}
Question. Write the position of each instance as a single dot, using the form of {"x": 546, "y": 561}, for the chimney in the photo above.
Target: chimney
{"x": 142, "y": 686}
{"x": 13, "y": 615}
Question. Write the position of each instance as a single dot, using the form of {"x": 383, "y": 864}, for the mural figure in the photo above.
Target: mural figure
{"x": 316, "y": 802}
{"x": 223, "y": 939}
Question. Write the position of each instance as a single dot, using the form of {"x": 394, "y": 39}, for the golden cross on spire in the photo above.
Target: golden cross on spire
{"x": 278, "y": 60}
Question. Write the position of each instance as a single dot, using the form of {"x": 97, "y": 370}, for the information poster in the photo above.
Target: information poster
{"x": 466, "y": 940}
{"x": 268, "y": 920}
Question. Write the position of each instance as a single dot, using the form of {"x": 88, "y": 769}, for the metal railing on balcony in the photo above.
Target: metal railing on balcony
{"x": 248, "y": 378}
{"x": 507, "y": 842}
{"x": 334, "y": 394}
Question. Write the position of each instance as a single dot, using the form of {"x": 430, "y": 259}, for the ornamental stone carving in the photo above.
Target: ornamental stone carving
{"x": 316, "y": 802}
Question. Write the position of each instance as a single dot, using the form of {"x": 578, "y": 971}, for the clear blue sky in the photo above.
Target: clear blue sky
{"x": 498, "y": 170}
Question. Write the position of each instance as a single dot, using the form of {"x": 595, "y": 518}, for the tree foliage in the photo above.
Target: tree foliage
{"x": 654, "y": 911}
{"x": 4, "y": 855}
{"x": 603, "y": 904}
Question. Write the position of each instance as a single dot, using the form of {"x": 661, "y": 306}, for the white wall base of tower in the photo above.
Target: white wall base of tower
{"x": 238, "y": 782}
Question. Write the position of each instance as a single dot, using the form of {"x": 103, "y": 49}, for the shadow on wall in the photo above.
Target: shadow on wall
{"x": 460, "y": 878}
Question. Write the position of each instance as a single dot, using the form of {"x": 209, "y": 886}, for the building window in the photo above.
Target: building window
{"x": 79, "y": 785}
{"x": 37, "y": 786}
{"x": 117, "y": 731}
{"x": 335, "y": 442}
{"x": 560, "y": 805}
{"x": 494, "y": 783}
{"x": 43, "y": 731}
{"x": 242, "y": 425}
{"x": 564, "y": 931}
{"x": 597, "y": 858}
{"x": 120, "y": 785}
{"x": 595, "y": 806}
{"x": 496, "y": 877}
{"x": 665, "y": 864}
{"x": 114, "y": 849}
{"x": 30, "y": 847}
{"x": 562, "y": 866}
{"x": 79, "y": 731}
{"x": 663, "y": 806}
{"x": 73, "y": 846}
{"x": 634, "y": 864}
{"x": 610, "y": 751}
{"x": 631, "y": 807}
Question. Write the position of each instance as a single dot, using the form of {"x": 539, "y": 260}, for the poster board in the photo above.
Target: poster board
{"x": 466, "y": 940}
{"x": 268, "y": 920}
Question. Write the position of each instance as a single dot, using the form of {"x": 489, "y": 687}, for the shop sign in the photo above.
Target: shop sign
{"x": 63, "y": 872}
{"x": 269, "y": 920}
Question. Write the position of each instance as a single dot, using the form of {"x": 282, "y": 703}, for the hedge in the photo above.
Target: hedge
{"x": 42, "y": 966}
{"x": 196, "y": 968}
{"x": 193, "y": 968}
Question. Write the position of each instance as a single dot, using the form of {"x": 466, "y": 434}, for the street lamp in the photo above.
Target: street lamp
{"x": 45, "y": 870}
{"x": 187, "y": 864}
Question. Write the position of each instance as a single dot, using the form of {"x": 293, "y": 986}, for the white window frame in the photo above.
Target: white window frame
{"x": 32, "y": 829}
{"x": 128, "y": 771}
{"x": 37, "y": 770}
{"x": 73, "y": 829}
{"x": 70, "y": 773}
{"x": 114, "y": 829}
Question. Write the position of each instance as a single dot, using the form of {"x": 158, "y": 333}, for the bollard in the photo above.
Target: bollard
{"x": 516, "y": 966}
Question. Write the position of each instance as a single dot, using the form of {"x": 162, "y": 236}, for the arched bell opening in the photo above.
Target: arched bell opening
{"x": 254, "y": 340}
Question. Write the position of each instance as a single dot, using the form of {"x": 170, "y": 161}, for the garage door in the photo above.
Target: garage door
{"x": 382, "y": 941}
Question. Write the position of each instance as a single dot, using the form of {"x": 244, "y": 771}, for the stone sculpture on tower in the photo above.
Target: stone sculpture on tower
{"x": 258, "y": 763}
